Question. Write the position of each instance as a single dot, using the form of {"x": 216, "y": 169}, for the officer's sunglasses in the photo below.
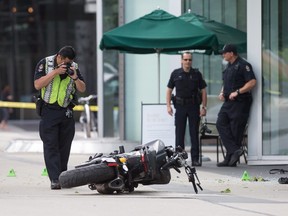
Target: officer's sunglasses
{"x": 187, "y": 59}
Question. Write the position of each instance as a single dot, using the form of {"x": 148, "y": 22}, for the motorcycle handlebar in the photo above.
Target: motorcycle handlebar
{"x": 175, "y": 162}
{"x": 179, "y": 160}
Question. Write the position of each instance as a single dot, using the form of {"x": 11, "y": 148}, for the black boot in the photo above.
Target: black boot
{"x": 55, "y": 185}
{"x": 235, "y": 157}
{"x": 196, "y": 163}
{"x": 225, "y": 163}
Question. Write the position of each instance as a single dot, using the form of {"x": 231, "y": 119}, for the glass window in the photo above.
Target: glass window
{"x": 110, "y": 73}
{"x": 31, "y": 30}
{"x": 229, "y": 12}
{"x": 275, "y": 77}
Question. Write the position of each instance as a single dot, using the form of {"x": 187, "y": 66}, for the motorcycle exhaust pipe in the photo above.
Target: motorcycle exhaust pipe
{"x": 116, "y": 184}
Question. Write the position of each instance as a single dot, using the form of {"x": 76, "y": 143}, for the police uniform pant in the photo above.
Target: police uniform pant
{"x": 231, "y": 123}
{"x": 57, "y": 132}
{"x": 190, "y": 111}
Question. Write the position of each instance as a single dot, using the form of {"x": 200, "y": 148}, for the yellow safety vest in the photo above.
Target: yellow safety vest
{"x": 60, "y": 91}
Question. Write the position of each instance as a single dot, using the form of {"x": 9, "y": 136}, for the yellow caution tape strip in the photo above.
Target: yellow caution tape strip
{"x": 27, "y": 105}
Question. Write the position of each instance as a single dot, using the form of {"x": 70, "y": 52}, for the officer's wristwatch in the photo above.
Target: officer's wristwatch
{"x": 238, "y": 91}
{"x": 204, "y": 107}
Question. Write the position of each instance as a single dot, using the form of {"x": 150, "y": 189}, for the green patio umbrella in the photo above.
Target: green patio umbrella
{"x": 225, "y": 33}
{"x": 158, "y": 32}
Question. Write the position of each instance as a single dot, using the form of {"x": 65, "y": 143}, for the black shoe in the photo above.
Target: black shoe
{"x": 235, "y": 157}
{"x": 55, "y": 185}
{"x": 196, "y": 163}
{"x": 283, "y": 180}
{"x": 224, "y": 163}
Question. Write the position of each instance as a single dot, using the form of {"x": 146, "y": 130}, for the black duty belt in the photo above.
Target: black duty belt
{"x": 184, "y": 101}
{"x": 53, "y": 106}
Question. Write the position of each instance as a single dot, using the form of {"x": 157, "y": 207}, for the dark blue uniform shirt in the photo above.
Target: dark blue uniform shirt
{"x": 187, "y": 84}
{"x": 236, "y": 75}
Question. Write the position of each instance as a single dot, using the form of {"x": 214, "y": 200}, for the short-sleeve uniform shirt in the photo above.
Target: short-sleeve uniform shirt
{"x": 186, "y": 83}
{"x": 236, "y": 75}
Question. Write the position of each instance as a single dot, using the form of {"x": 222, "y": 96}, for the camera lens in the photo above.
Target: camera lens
{"x": 68, "y": 65}
{"x": 68, "y": 70}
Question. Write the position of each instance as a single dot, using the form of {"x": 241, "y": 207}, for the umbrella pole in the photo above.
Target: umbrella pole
{"x": 158, "y": 54}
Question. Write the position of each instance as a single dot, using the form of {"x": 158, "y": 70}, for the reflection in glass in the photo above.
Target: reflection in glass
{"x": 275, "y": 77}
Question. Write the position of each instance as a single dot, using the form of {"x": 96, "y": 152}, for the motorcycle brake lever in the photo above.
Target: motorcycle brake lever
{"x": 96, "y": 156}
{"x": 176, "y": 168}
{"x": 198, "y": 184}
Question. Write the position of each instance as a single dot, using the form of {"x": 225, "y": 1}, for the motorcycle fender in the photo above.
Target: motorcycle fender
{"x": 111, "y": 162}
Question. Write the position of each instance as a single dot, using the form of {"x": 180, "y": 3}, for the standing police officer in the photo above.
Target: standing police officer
{"x": 238, "y": 80}
{"x": 58, "y": 78}
{"x": 190, "y": 91}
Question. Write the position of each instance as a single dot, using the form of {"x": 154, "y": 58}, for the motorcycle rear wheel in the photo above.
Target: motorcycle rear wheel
{"x": 96, "y": 173}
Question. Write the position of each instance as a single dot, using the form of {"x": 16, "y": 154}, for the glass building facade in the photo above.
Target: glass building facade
{"x": 232, "y": 13}
{"x": 266, "y": 50}
{"x": 31, "y": 30}
{"x": 275, "y": 77}
{"x": 273, "y": 74}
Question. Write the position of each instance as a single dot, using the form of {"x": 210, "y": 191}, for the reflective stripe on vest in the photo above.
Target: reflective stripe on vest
{"x": 58, "y": 90}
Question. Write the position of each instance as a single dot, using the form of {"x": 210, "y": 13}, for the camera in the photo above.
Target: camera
{"x": 204, "y": 129}
{"x": 68, "y": 70}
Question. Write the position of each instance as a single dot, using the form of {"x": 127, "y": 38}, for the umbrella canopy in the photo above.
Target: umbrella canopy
{"x": 225, "y": 34}
{"x": 158, "y": 31}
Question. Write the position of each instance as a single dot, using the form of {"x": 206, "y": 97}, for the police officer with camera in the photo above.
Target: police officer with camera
{"x": 238, "y": 81}
{"x": 190, "y": 93}
{"x": 58, "y": 78}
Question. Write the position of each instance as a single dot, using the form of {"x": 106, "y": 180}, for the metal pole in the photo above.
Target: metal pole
{"x": 99, "y": 60}
{"x": 158, "y": 54}
{"x": 121, "y": 79}
{"x": 158, "y": 50}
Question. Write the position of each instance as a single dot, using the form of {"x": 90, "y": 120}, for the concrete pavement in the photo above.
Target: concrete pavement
{"x": 23, "y": 136}
{"x": 28, "y": 192}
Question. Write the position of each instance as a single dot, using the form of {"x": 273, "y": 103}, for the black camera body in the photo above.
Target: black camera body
{"x": 204, "y": 129}
{"x": 68, "y": 70}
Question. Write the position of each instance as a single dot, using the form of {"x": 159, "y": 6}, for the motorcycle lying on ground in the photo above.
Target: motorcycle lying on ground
{"x": 122, "y": 172}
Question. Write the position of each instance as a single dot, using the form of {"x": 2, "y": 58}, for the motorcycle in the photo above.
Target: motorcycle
{"x": 122, "y": 172}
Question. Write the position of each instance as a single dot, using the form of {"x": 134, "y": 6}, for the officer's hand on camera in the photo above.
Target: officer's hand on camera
{"x": 72, "y": 73}
{"x": 61, "y": 68}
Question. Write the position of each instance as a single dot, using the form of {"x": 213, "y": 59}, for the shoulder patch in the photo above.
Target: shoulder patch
{"x": 248, "y": 68}
{"x": 40, "y": 68}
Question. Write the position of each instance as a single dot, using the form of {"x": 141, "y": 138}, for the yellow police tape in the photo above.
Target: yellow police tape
{"x": 27, "y": 105}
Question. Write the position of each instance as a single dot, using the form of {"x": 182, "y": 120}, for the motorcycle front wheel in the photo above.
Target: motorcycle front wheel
{"x": 96, "y": 173}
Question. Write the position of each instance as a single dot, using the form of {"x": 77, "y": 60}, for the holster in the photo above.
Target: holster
{"x": 173, "y": 99}
{"x": 39, "y": 104}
